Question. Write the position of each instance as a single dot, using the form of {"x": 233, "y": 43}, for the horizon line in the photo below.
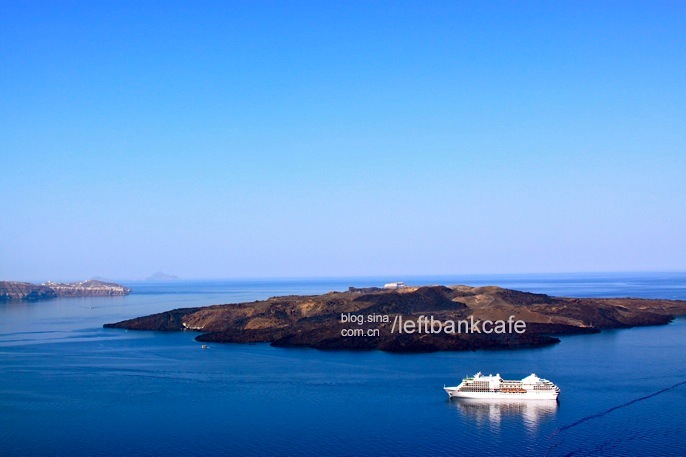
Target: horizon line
{"x": 342, "y": 277}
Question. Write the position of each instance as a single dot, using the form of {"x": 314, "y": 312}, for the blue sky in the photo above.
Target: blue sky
{"x": 285, "y": 139}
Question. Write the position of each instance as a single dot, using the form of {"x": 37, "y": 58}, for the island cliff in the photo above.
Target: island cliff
{"x": 25, "y": 291}
{"x": 319, "y": 321}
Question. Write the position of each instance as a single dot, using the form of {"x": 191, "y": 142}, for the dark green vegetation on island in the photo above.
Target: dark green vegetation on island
{"x": 315, "y": 321}
{"x": 25, "y": 291}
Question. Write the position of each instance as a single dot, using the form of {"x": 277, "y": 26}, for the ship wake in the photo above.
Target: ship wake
{"x": 601, "y": 414}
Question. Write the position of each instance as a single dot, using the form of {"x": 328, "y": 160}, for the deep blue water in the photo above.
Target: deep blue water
{"x": 69, "y": 387}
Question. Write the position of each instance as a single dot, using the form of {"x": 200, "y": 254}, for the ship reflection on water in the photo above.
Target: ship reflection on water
{"x": 492, "y": 412}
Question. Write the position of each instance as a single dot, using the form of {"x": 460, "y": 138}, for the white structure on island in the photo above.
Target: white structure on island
{"x": 394, "y": 285}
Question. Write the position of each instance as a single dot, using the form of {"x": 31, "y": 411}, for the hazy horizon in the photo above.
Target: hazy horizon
{"x": 341, "y": 139}
{"x": 407, "y": 278}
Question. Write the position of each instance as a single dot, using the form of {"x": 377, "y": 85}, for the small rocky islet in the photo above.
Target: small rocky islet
{"x": 323, "y": 321}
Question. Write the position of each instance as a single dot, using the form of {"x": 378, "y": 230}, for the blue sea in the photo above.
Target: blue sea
{"x": 69, "y": 387}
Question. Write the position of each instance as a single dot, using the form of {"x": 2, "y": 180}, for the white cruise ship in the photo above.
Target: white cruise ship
{"x": 479, "y": 386}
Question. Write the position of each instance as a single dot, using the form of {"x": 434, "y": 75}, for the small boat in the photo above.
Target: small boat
{"x": 204, "y": 346}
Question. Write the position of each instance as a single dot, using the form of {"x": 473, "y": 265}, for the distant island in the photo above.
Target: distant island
{"x": 25, "y": 291}
{"x": 355, "y": 319}
{"x": 160, "y": 276}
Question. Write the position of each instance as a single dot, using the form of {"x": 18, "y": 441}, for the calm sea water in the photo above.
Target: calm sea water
{"x": 69, "y": 387}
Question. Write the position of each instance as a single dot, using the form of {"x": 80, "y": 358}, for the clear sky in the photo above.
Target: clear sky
{"x": 324, "y": 138}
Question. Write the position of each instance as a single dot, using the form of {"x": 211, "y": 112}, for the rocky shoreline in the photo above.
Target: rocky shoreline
{"x": 322, "y": 321}
{"x": 28, "y": 292}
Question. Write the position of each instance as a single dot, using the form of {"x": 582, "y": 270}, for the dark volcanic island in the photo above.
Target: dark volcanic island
{"x": 324, "y": 321}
